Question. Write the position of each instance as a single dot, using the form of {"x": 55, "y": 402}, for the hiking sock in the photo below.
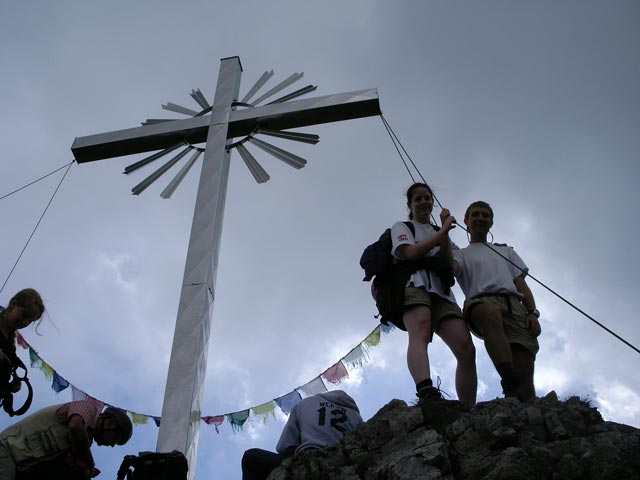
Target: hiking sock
{"x": 505, "y": 370}
{"x": 424, "y": 384}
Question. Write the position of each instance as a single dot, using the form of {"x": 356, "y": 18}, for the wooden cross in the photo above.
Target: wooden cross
{"x": 181, "y": 410}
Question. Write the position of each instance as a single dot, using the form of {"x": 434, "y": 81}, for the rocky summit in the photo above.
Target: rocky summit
{"x": 502, "y": 439}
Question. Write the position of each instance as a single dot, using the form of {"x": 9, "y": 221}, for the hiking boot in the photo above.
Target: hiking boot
{"x": 429, "y": 394}
{"x": 437, "y": 412}
{"x": 517, "y": 390}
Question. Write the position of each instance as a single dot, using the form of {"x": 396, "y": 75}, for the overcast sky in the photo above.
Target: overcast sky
{"x": 531, "y": 106}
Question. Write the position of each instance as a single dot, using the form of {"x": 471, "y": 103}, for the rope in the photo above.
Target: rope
{"x": 608, "y": 330}
{"x": 37, "y": 224}
{"x": 488, "y": 245}
{"x": 36, "y": 181}
{"x": 391, "y": 135}
{"x": 394, "y": 139}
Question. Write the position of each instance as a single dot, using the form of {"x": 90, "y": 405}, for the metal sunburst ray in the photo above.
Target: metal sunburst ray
{"x": 258, "y": 172}
{"x": 138, "y": 189}
{"x": 171, "y": 187}
{"x": 254, "y": 167}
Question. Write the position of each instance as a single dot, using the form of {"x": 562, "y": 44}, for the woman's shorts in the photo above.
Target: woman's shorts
{"x": 514, "y": 315}
{"x": 441, "y": 308}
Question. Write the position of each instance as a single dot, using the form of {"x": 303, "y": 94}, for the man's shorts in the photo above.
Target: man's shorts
{"x": 514, "y": 314}
{"x": 441, "y": 308}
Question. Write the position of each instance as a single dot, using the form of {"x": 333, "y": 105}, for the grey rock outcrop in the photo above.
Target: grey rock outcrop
{"x": 501, "y": 439}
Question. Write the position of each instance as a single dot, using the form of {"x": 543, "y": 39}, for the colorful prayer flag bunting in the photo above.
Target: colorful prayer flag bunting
{"x": 237, "y": 419}
{"x": 34, "y": 358}
{"x": 58, "y": 384}
{"x": 139, "y": 418}
{"x": 374, "y": 338}
{"x": 262, "y": 411}
{"x": 386, "y": 328}
{"x": 356, "y": 357}
{"x": 288, "y": 401}
{"x": 47, "y": 370}
{"x": 335, "y": 373}
{"x": 313, "y": 387}
{"x": 215, "y": 420}
{"x": 21, "y": 341}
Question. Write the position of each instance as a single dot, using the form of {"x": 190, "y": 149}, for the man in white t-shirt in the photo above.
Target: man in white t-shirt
{"x": 499, "y": 305}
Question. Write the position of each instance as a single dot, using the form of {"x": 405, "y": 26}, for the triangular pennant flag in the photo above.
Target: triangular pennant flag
{"x": 335, "y": 373}
{"x": 21, "y": 341}
{"x": 373, "y": 338}
{"x": 288, "y": 401}
{"x": 139, "y": 418}
{"x": 77, "y": 394}
{"x": 59, "y": 383}
{"x": 314, "y": 386}
{"x": 47, "y": 370}
{"x": 156, "y": 420}
{"x": 237, "y": 419}
{"x": 35, "y": 360}
{"x": 355, "y": 358}
{"x": 262, "y": 411}
{"x": 215, "y": 420}
{"x": 386, "y": 328}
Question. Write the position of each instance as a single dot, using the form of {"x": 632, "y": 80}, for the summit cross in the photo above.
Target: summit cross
{"x": 181, "y": 410}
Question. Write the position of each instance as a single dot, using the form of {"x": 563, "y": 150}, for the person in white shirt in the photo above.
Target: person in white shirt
{"x": 429, "y": 305}
{"x": 499, "y": 305}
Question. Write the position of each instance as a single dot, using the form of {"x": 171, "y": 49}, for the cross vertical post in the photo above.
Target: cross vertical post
{"x": 181, "y": 409}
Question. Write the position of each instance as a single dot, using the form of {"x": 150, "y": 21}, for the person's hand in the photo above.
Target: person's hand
{"x": 448, "y": 220}
{"x": 532, "y": 324}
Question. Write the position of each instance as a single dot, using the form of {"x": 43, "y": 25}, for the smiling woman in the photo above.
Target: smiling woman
{"x": 429, "y": 304}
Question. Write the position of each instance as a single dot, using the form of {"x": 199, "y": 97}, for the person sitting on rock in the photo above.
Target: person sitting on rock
{"x": 314, "y": 422}
{"x": 499, "y": 305}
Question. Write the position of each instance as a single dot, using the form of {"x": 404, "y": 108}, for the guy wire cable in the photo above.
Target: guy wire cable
{"x": 386, "y": 125}
{"x": 390, "y": 130}
{"x": 395, "y": 139}
{"x": 37, "y": 224}
{"x": 527, "y": 274}
{"x": 36, "y": 181}
{"x": 393, "y": 135}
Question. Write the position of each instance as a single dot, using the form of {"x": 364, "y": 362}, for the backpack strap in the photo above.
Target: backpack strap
{"x": 432, "y": 264}
{"x": 411, "y": 227}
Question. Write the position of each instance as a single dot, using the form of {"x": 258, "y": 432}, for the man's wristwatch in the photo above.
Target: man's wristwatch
{"x": 534, "y": 312}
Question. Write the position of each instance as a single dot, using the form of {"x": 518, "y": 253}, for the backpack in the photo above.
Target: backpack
{"x": 154, "y": 466}
{"x": 390, "y": 278}
{"x": 376, "y": 259}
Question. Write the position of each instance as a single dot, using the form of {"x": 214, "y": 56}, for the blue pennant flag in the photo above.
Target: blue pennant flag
{"x": 59, "y": 383}
{"x": 288, "y": 401}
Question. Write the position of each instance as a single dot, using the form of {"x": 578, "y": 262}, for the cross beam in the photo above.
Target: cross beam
{"x": 279, "y": 116}
{"x": 181, "y": 409}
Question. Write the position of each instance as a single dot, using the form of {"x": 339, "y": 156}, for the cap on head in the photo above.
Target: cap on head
{"x": 122, "y": 420}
